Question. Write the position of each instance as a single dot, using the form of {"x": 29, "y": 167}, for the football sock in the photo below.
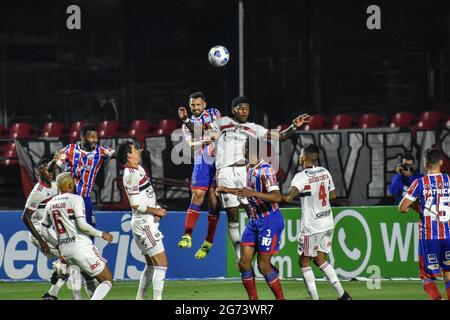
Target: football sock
{"x": 233, "y": 230}
{"x": 75, "y": 282}
{"x": 310, "y": 282}
{"x": 447, "y": 288}
{"x": 248, "y": 280}
{"x": 102, "y": 290}
{"x": 431, "y": 289}
{"x": 54, "y": 289}
{"x": 332, "y": 278}
{"x": 273, "y": 280}
{"x": 146, "y": 277}
{"x": 159, "y": 275}
{"x": 212, "y": 225}
{"x": 192, "y": 214}
{"x": 90, "y": 285}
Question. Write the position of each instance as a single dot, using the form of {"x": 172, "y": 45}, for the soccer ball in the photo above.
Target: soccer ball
{"x": 218, "y": 56}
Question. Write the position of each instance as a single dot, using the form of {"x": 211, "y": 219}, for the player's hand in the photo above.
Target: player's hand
{"x": 56, "y": 156}
{"x": 107, "y": 236}
{"x": 159, "y": 212}
{"x": 244, "y": 193}
{"x": 398, "y": 169}
{"x": 182, "y": 113}
{"x": 223, "y": 190}
{"x": 44, "y": 247}
{"x": 301, "y": 120}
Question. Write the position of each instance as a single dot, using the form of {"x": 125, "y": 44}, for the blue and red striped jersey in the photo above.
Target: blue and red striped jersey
{"x": 261, "y": 178}
{"x": 84, "y": 165}
{"x": 433, "y": 194}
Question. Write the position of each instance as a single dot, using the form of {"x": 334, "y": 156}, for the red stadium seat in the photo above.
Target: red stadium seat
{"x": 430, "y": 120}
{"x": 281, "y": 127}
{"x": 2, "y": 131}
{"x": 140, "y": 128}
{"x": 370, "y": 120}
{"x": 316, "y": 122}
{"x": 52, "y": 129}
{"x": 403, "y": 120}
{"x": 448, "y": 122}
{"x": 20, "y": 130}
{"x": 342, "y": 121}
{"x": 167, "y": 126}
{"x": 74, "y": 131}
{"x": 109, "y": 129}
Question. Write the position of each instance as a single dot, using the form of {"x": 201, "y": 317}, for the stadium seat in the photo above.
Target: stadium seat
{"x": 167, "y": 126}
{"x": 316, "y": 122}
{"x": 52, "y": 129}
{"x": 74, "y": 131}
{"x": 2, "y": 131}
{"x": 430, "y": 120}
{"x": 370, "y": 120}
{"x": 342, "y": 121}
{"x": 140, "y": 128}
{"x": 403, "y": 120}
{"x": 448, "y": 122}
{"x": 109, "y": 129}
{"x": 281, "y": 127}
{"x": 20, "y": 130}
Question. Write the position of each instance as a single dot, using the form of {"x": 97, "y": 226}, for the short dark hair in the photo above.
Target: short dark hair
{"x": 408, "y": 156}
{"x": 239, "y": 100}
{"x": 42, "y": 162}
{"x": 87, "y": 127}
{"x": 432, "y": 156}
{"x": 196, "y": 95}
{"x": 311, "y": 151}
{"x": 124, "y": 150}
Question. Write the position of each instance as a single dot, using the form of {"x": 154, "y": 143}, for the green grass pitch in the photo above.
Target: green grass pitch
{"x": 228, "y": 290}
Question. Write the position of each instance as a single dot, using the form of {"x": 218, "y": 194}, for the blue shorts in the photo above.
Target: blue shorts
{"x": 434, "y": 256}
{"x": 204, "y": 176}
{"x": 265, "y": 233}
{"x": 90, "y": 215}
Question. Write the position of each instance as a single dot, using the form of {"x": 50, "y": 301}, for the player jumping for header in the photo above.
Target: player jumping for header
{"x": 315, "y": 187}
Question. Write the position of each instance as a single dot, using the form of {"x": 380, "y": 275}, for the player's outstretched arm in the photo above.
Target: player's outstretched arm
{"x": 288, "y": 132}
{"x": 272, "y": 196}
{"x": 86, "y": 228}
{"x": 404, "y": 205}
{"x": 290, "y": 195}
{"x": 26, "y": 218}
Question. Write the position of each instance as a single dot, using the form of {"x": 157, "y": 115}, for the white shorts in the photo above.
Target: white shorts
{"x": 232, "y": 177}
{"x": 147, "y": 235}
{"x": 54, "y": 253}
{"x": 85, "y": 256}
{"x": 308, "y": 245}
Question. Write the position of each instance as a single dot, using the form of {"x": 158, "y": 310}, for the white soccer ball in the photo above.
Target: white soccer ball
{"x": 218, "y": 56}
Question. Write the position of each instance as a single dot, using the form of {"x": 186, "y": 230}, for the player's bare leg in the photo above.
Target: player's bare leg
{"x": 321, "y": 261}
{"x": 270, "y": 273}
{"x": 213, "y": 220}
{"x": 105, "y": 278}
{"x": 233, "y": 229}
{"x": 192, "y": 215}
{"x": 308, "y": 276}
{"x": 160, "y": 263}
{"x": 247, "y": 274}
{"x": 90, "y": 284}
{"x": 146, "y": 278}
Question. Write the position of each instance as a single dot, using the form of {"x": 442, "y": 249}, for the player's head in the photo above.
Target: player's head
{"x": 408, "y": 159}
{"x": 129, "y": 154}
{"x": 65, "y": 182}
{"x": 309, "y": 155}
{"x": 432, "y": 159}
{"x": 89, "y": 137}
{"x": 42, "y": 169}
{"x": 197, "y": 103}
{"x": 240, "y": 107}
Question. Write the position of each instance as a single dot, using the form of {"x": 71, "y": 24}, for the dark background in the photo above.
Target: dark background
{"x": 300, "y": 56}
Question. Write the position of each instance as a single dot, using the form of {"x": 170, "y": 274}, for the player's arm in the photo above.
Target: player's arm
{"x": 290, "y": 195}
{"x": 137, "y": 205}
{"x": 46, "y": 224}
{"x": 405, "y": 204}
{"x": 271, "y": 196}
{"x": 59, "y": 158}
{"x": 26, "y": 218}
{"x": 86, "y": 228}
{"x": 288, "y": 132}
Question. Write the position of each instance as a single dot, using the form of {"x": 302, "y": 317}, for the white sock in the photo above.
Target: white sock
{"x": 159, "y": 275}
{"x": 332, "y": 278}
{"x": 90, "y": 286}
{"x": 54, "y": 289}
{"x": 102, "y": 290}
{"x": 146, "y": 277}
{"x": 310, "y": 282}
{"x": 233, "y": 231}
{"x": 74, "y": 282}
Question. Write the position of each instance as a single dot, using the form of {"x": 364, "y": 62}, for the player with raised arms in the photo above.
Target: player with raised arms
{"x": 315, "y": 187}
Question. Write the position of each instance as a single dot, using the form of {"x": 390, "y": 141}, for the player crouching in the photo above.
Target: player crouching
{"x": 66, "y": 212}
{"x": 145, "y": 220}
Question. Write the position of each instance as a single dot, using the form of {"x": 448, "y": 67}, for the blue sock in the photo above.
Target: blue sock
{"x": 247, "y": 274}
{"x": 271, "y": 276}
{"x": 194, "y": 207}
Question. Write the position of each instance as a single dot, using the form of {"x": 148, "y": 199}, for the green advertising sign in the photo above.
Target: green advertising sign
{"x": 366, "y": 240}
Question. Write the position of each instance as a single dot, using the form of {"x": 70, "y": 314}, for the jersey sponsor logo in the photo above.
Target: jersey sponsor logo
{"x": 323, "y": 214}
{"x": 433, "y": 266}
{"x": 432, "y": 258}
{"x": 95, "y": 265}
{"x": 447, "y": 255}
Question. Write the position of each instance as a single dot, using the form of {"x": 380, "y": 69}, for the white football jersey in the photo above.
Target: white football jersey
{"x": 315, "y": 185}
{"x": 38, "y": 198}
{"x": 138, "y": 184}
{"x": 61, "y": 212}
{"x": 230, "y": 147}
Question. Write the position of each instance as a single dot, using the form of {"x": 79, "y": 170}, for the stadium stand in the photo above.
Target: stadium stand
{"x": 74, "y": 131}
{"x": 342, "y": 121}
{"x": 109, "y": 128}
{"x": 167, "y": 126}
{"x": 403, "y": 120}
{"x": 430, "y": 120}
{"x": 52, "y": 129}
{"x": 370, "y": 120}
{"x": 316, "y": 122}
